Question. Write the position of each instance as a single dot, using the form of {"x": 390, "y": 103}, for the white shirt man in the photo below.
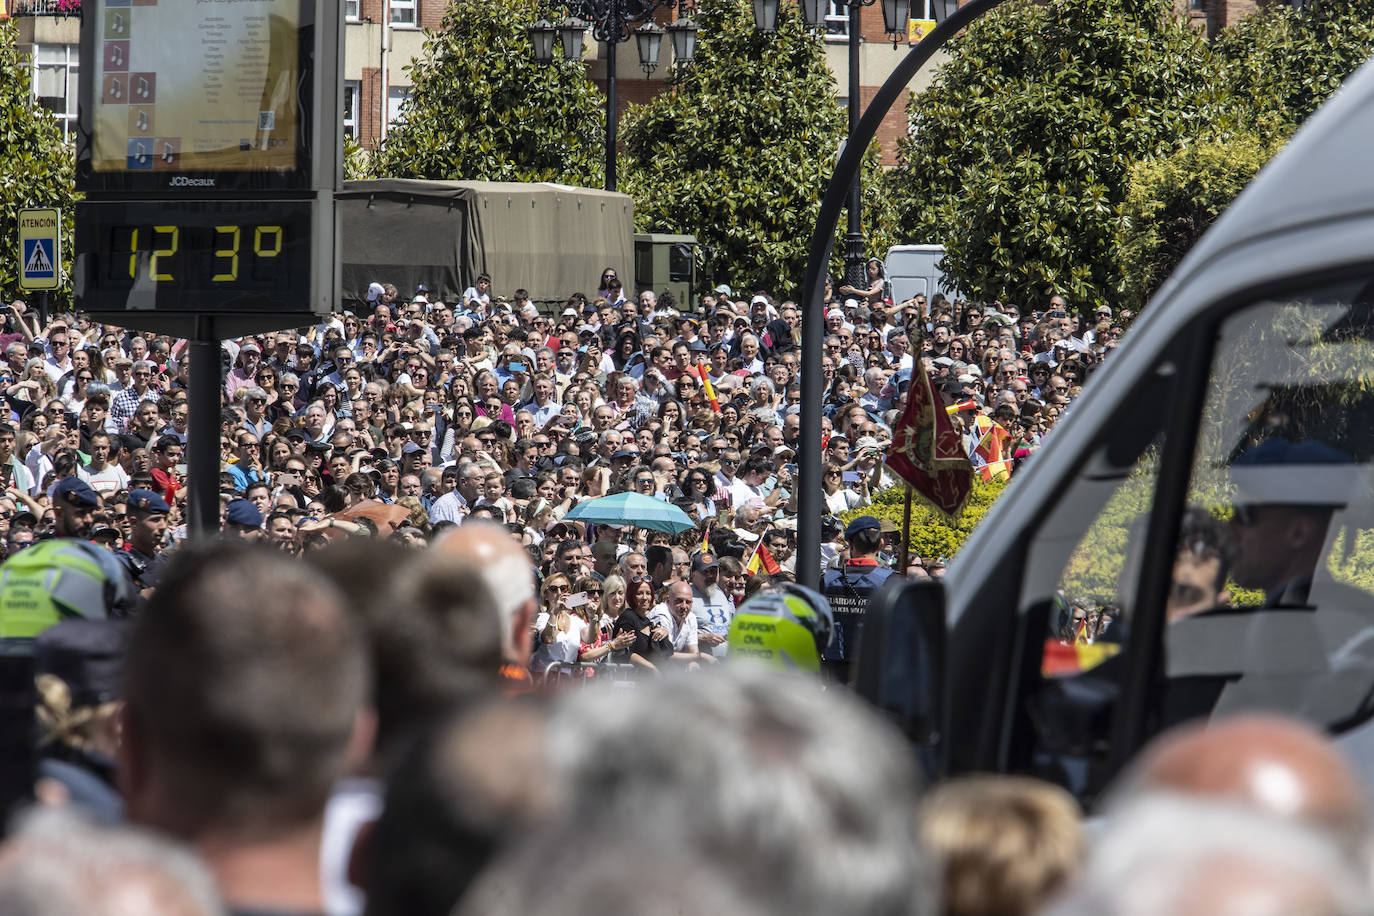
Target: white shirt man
{"x": 103, "y": 476}
{"x": 712, "y": 608}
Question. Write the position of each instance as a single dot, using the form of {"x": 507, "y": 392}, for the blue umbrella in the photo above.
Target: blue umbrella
{"x": 632, "y": 509}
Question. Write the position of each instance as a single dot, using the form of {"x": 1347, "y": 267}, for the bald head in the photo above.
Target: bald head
{"x": 504, "y": 565}
{"x": 1274, "y": 764}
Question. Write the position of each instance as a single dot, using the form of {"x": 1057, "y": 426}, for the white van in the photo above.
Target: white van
{"x": 913, "y": 269}
{"x": 1208, "y": 503}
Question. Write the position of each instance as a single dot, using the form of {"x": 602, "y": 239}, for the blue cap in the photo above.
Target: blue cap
{"x": 147, "y": 501}
{"x": 75, "y": 492}
{"x": 1283, "y": 451}
{"x": 410, "y": 448}
{"x": 862, "y": 523}
{"x": 242, "y": 512}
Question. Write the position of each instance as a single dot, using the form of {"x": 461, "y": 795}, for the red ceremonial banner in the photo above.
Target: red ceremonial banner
{"x": 926, "y": 449}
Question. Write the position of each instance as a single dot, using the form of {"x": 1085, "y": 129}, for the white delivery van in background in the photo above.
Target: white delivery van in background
{"x": 1208, "y": 502}
{"x": 913, "y": 269}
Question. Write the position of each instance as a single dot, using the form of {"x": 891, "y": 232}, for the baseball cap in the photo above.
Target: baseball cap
{"x": 75, "y": 492}
{"x": 704, "y": 560}
{"x": 862, "y": 523}
{"x": 147, "y": 501}
{"x": 242, "y": 512}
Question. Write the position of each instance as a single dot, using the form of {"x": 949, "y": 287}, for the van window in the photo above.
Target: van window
{"x": 1271, "y": 606}
{"x": 1077, "y": 598}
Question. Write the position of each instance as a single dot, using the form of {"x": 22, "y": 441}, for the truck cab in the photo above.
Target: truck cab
{"x": 1196, "y": 536}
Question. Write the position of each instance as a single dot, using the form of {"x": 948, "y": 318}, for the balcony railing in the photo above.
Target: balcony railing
{"x": 17, "y": 8}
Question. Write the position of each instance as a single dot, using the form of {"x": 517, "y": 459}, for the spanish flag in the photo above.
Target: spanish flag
{"x": 706, "y": 539}
{"x": 708, "y": 387}
{"x": 762, "y": 559}
{"x": 993, "y": 448}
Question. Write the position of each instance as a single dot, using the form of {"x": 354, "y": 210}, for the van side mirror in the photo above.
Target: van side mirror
{"x": 901, "y": 664}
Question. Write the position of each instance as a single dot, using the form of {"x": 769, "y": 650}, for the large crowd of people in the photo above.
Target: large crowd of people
{"x": 329, "y": 710}
{"x": 405, "y": 414}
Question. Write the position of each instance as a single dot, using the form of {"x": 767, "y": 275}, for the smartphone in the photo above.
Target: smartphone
{"x": 790, "y": 468}
{"x": 516, "y": 367}
{"x": 577, "y": 600}
{"x": 851, "y": 477}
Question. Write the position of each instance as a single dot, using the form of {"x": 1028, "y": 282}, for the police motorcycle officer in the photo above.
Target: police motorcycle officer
{"x": 787, "y": 626}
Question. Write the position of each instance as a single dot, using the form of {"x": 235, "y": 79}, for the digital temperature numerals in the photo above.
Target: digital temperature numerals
{"x": 197, "y": 255}
{"x": 168, "y": 255}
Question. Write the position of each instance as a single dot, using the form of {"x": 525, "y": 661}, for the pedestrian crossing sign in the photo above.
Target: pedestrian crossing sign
{"x": 40, "y": 246}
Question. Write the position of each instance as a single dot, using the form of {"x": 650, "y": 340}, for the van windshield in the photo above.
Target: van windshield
{"x": 1272, "y": 603}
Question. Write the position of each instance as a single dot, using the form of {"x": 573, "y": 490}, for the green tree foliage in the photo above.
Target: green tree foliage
{"x": 1021, "y": 150}
{"x": 1277, "y": 65}
{"x": 1282, "y": 63}
{"x": 482, "y": 109}
{"x": 1173, "y": 199}
{"x": 738, "y": 150}
{"x": 932, "y": 534}
{"x": 36, "y": 169}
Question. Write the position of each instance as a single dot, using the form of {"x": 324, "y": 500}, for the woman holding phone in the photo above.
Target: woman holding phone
{"x": 597, "y": 641}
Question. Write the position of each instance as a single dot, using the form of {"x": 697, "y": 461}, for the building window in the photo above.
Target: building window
{"x": 396, "y": 99}
{"x": 55, "y": 80}
{"x": 351, "y": 99}
{"x": 403, "y": 13}
{"x": 837, "y": 19}
{"x": 353, "y": 10}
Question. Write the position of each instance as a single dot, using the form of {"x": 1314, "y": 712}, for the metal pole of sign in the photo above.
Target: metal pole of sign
{"x": 810, "y": 506}
{"x": 43, "y": 309}
{"x": 202, "y": 446}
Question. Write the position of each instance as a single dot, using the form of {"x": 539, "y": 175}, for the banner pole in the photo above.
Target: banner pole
{"x": 905, "y": 555}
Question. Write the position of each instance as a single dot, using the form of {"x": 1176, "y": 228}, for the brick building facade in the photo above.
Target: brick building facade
{"x": 373, "y": 65}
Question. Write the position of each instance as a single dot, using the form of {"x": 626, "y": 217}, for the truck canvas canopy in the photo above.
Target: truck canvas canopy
{"x": 549, "y": 238}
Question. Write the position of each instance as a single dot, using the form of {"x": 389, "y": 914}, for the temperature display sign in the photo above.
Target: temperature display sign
{"x": 190, "y": 256}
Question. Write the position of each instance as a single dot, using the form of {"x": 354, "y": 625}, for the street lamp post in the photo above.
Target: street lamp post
{"x": 611, "y": 21}
{"x": 951, "y": 20}
{"x": 896, "y": 14}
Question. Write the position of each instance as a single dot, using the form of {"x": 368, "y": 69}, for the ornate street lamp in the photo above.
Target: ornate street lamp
{"x": 896, "y": 15}
{"x": 541, "y": 40}
{"x": 683, "y": 33}
{"x": 613, "y": 22}
{"x": 571, "y": 32}
{"x": 813, "y": 13}
{"x": 648, "y": 40}
{"x": 943, "y": 9}
{"x": 766, "y": 15}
